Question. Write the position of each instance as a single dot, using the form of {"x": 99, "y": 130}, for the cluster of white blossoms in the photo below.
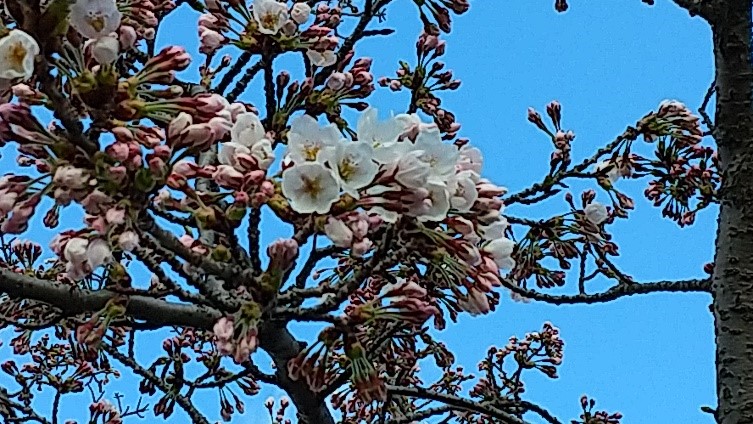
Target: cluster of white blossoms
{"x": 397, "y": 166}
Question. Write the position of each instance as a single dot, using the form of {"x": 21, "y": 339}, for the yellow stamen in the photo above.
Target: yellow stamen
{"x": 347, "y": 169}
{"x": 270, "y": 20}
{"x": 97, "y": 22}
{"x": 310, "y": 150}
{"x": 17, "y": 54}
{"x": 312, "y": 187}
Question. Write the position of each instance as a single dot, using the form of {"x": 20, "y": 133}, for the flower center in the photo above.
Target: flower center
{"x": 311, "y": 186}
{"x": 311, "y": 150}
{"x": 270, "y": 20}
{"x": 347, "y": 168}
{"x": 17, "y": 54}
{"x": 97, "y": 22}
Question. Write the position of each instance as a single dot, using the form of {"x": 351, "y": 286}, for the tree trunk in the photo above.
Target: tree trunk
{"x": 277, "y": 341}
{"x": 733, "y": 273}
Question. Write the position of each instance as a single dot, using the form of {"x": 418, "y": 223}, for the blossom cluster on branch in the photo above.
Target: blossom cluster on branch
{"x": 394, "y": 227}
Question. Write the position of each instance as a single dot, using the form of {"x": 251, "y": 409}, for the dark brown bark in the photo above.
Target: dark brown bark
{"x": 276, "y": 340}
{"x": 733, "y": 274}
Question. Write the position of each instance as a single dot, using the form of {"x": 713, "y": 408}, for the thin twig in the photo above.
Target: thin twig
{"x": 181, "y": 400}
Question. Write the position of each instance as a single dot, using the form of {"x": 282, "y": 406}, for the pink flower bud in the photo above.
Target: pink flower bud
{"x": 282, "y": 253}
{"x": 127, "y": 37}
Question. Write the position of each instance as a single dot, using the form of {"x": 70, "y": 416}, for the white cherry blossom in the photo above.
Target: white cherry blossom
{"x": 322, "y": 59}
{"x": 95, "y": 18}
{"x": 106, "y": 50}
{"x": 353, "y": 165}
{"x": 501, "y": 251}
{"x": 384, "y": 214}
{"x": 228, "y": 152}
{"x": 382, "y": 135}
{"x": 412, "y": 172}
{"x": 465, "y": 193}
{"x": 75, "y": 250}
{"x": 263, "y": 153}
{"x": 249, "y": 138}
{"x": 470, "y": 159}
{"x": 339, "y": 232}
{"x": 495, "y": 229}
{"x": 84, "y": 256}
{"x": 98, "y": 253}
{"x": 440, "y": 157}
{"x": 437, "y": 204}
{"x": 247, "y": 129}
{"x": 307, "y": 140}
{"x": 596, "y": 212}
{"x": 128, "y": 240}
{"x": 310, "y": 187}
{"x": 17, "y": 52}
{"x": 271, "y": 15}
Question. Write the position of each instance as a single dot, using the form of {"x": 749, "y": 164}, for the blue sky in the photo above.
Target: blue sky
{"x": 608, "y": 62}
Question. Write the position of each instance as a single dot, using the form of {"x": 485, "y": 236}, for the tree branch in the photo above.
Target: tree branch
{"x": 456, "y": 402}
{"x": 183, "y": 401}
{"x": 74, "y": 300}
{"x": 421, "y": 415}
{"x": 277, "y": 341}
{"x": 616, "y": 292}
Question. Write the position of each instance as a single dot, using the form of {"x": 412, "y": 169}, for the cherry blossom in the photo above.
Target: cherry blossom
{"x": 353, "y": 165}
{"x": 323, "y": 58}
{"x": 310, "y": 187}
{"x": 84, "y": 255}
{"x": 128, "y": 241}
{"x": 106, "y": 50}
{"x": 339, "y": 232}
{"x": 300, "y": 13}
{"x": 596, "y": 212}
{"x": 270, "y": 15}
{"x": 17, "y": 52}
{"x": 307, "y": 140}
{"x": 501, "y": 250}
{"x": 173, "y": 171}
{"x": 95, "y": 18}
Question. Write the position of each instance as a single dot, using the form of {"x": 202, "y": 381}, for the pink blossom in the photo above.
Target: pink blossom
{"x": 476, "y": 303}
{"x": 69, "y": 177}
{"x": 282, "y": 253}
{"x": 210, "y": 39}
{"x": 223, "y": 328}
{"x": 128, "y": 241}
{"x": 115, "y": 215}
{"x": 337, "y": 231}
{"x": 227, "y": 176}
{"x": 7, "y": 201}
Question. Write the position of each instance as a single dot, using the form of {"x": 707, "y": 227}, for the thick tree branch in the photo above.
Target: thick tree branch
{"x": 277, "y": 341}
{"x": 614, "y": 293}
{"x": 73, "y": 300}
